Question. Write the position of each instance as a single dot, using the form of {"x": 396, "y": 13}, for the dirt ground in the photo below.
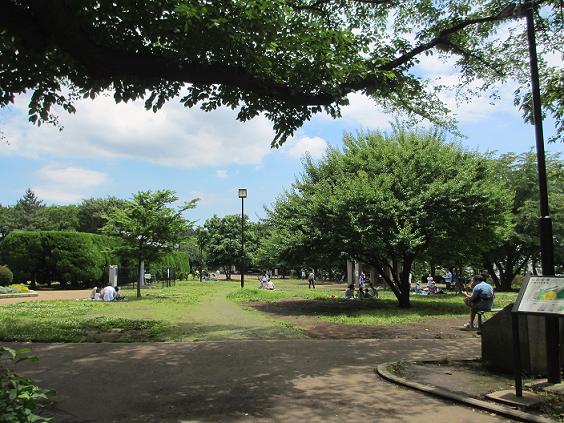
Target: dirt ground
{"x": 48, "y": 295}
{"x": 293, "y": 312}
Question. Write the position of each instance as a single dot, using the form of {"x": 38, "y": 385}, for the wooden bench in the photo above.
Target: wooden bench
{"x": 481, "y": 313}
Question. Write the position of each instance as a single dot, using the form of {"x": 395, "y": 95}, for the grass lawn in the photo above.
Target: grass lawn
{"x": 379, "y": 312}
{"x": 150, "y": 318}
{"x": 211, "y": 310}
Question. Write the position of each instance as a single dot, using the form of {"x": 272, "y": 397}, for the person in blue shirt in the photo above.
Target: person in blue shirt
{"x": 481, "y": 298}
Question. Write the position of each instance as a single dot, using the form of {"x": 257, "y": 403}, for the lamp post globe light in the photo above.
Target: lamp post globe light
{"x": 242, "y": 196}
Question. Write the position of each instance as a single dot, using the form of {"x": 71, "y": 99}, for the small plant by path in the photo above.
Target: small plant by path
{"x": 19, "y": 396}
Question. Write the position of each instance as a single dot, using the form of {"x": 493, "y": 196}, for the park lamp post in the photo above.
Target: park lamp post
{"x": 242, "y": 196}
{"x": 527, "y": 9}
{"x": 545, "y": 222}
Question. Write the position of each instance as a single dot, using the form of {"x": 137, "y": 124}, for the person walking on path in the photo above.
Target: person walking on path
{"x": 481, "y": 298}
{"x": 311, "y": 280}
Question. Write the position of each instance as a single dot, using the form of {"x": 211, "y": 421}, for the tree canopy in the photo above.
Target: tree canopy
{"x": 388, "y": 198}
{"x": 286, "y": 59}
{"x": 518, "y": 245}
{"x": 223, "y": 242}
{"x": 148, "y": 226}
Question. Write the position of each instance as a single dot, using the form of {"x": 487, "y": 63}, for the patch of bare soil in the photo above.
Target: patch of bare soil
{"x": 301, "y": 313}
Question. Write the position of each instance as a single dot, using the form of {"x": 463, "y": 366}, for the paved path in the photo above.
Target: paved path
{"x": 259, "y": 381}
{"x": 49, "y": 296}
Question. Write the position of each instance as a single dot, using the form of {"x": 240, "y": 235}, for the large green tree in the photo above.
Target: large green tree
{"x": 28, "y": 213}
{"x": 518, "y": 243}
{"x": 148, "y": 226}
{"x": 223, "y": 242}
{"x": 92, "y": 211}
{"x": 287, "y": 59}
{"x": 61, "y": 218}
{"x": 386, "y": 199}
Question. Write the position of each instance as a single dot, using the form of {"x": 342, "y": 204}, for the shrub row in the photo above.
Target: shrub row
{"x": 69, "y": 257}
{"x": 46, "y": 256}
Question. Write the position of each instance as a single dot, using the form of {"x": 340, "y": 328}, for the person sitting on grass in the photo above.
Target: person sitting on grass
{"x": 270, "y": 285}
{"x": 349, "y": 293}
{"x": 431, "y": 285}
{"x": 95, "y": 294}
{"x": 119, "y": 297}
{"x": 361, "y": 294}
{"x": 481, "y": 298}
{"x": 371, "y": 291}
{"x": 109, "y": 293}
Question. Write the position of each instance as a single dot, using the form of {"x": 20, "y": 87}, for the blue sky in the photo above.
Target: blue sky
{"x": 107, "y": 149}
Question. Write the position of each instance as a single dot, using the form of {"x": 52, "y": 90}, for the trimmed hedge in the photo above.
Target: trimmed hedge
{"x": 67, "y": 257}
{"x": 177, "y": 260}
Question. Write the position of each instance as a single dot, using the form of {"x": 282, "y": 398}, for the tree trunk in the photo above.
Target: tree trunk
{"x": 489, "y": 267}
{"x": 534, "y": 261}
{"x": 403, "y": 300}
{"x": 141, "y": 276}
{"x": 399, "y": 284}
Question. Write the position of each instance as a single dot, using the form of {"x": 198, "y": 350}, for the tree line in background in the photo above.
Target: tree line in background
{"x": 400, "y": 202}
{"x": 92, "y": 236}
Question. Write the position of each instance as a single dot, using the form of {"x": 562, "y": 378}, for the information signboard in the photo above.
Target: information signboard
{"x": 541, "y": 295}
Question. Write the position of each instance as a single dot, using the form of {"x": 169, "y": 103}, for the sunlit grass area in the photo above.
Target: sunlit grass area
{"x": 216, "y": 310}
{"x": 151, "y": 317}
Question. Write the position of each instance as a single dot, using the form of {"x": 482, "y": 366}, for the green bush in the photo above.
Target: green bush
{"x": 179, "y": 261}
{"x": 67, "y": 257}
{"x": 7, "y": 290}
{"x": 6, "y": 276}
{"x": 19, "y": 396}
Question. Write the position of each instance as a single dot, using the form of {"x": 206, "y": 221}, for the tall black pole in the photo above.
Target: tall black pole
{"x": 545, "y": 223}
{"x": 242, "y": 242}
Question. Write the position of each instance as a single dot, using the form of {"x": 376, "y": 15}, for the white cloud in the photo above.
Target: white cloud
{"x": 315, "y": 146}
{"x": 175, "y": 136}
{"x": 434, "y": 63}
{"x": 55, "y": 196}
{"x": 366, "y": 111}
{"x": 66, "y": 184}
{"x": 221, "y": 173}
{"x": 72, "y": 176}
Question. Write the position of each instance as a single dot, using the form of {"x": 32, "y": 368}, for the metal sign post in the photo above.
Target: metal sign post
{"x": 541, "y": 296}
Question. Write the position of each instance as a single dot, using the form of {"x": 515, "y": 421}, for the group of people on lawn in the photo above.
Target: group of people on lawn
{"x": 480, "y": 298}
{"x": 265, "y": 281}
{"x": 108, "y": 293}
{"x": 366, "y": 288}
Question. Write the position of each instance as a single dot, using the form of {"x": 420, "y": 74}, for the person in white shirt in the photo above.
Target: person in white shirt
{"x": 109, "y": 293}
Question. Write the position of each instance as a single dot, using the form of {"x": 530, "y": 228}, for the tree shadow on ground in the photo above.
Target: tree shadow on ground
{"x": 309, "y": 380}
{"x": 306, "y": 314}
{"x": 333, "y": 307}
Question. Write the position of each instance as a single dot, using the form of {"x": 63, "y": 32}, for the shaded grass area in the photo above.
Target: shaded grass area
{"x": 328, "y": 305}
{"x": 153, "y": 317}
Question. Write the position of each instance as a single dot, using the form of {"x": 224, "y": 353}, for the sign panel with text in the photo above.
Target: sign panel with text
{"x": 541, "y": 295}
